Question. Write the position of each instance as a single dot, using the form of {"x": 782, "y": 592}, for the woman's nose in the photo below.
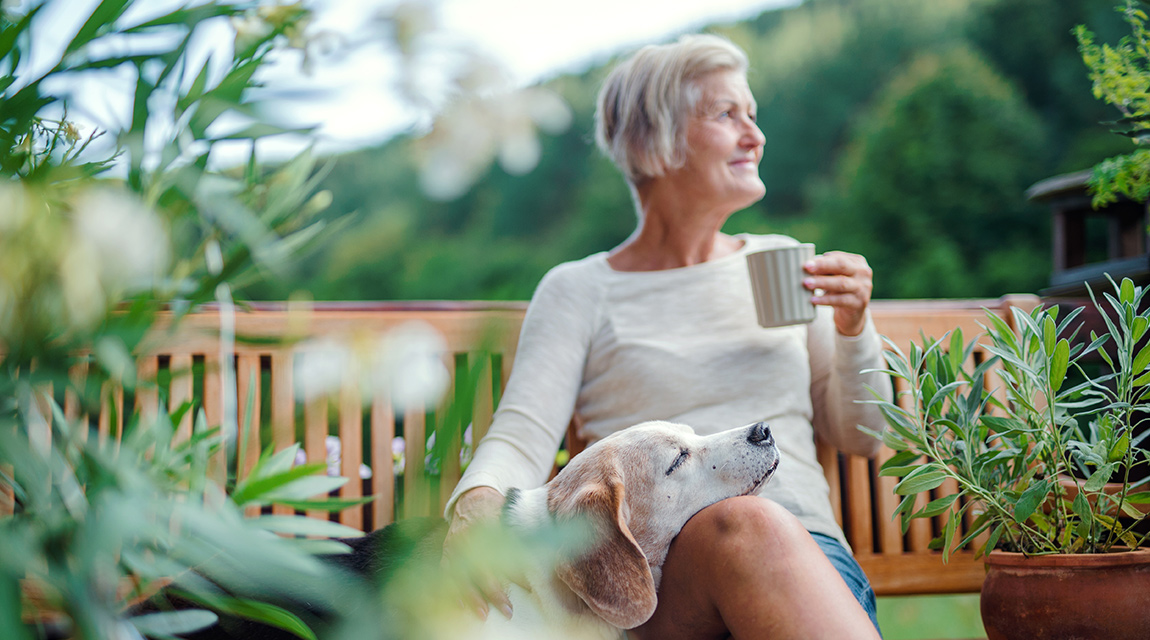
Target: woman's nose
{"x": 753, "y": 135}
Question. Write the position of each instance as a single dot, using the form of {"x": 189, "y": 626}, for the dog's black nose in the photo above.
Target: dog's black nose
{"x": 760, "y": 434}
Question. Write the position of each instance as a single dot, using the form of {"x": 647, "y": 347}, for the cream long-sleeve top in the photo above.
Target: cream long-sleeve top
{"x": 682, "y": 345}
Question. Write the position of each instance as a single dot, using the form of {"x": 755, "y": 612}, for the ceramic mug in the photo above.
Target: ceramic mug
{"x": 777, "y": 283}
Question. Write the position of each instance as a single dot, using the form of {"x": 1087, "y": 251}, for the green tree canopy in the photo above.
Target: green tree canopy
{"x": 931, "y": 188}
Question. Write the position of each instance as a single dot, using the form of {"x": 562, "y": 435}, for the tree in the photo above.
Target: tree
{"x": 930, "y": 190}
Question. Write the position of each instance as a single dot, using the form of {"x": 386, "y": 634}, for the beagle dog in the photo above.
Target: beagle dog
{"x": 636, "y": 489}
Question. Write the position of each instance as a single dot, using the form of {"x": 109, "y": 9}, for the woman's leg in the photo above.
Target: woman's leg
{"x": 746, "y": 568}
{"x": 852, "y": 574}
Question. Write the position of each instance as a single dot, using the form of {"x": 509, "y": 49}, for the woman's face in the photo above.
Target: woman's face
{"x": 724, "y": 145}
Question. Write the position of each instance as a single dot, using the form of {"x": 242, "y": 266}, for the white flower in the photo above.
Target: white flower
{"x": 251, "y": 29}
{"x": 409, "y": 365}
{"x": 128, "y": 243}
{"x": 320, "y": 366}
{"x": 406, "y": 364}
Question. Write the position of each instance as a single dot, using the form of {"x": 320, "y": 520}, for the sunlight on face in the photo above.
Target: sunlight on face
{"x": 724, "y": 144}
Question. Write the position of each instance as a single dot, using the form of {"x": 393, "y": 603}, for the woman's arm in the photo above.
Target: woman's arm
{"x": 519, "y": 449}
{"x": 843, "y": 343}
{"x": 838, "y": 385}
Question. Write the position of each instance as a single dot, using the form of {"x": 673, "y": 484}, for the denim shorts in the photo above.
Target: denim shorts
{"x": 851, "y": 572}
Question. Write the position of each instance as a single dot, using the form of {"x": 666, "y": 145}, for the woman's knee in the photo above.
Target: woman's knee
{"x": 749, "y": 519}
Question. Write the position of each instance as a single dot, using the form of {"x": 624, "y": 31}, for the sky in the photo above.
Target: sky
{"x": 533, "y": 39}
{"x": 350, "y": 98}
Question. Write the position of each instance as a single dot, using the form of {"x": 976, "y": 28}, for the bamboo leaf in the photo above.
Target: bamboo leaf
{"x": 302, "y": 526}
{"x": 256, "y": 487}
{"x": 172, "y": 623}
{"x": 325, "y": 504}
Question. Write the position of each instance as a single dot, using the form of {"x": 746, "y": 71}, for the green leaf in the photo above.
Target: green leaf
{"x": 1049, "y": 334}
{"x": 303, "y": 526}
{"x": 268, "y": 614}
{"x": 1141, "y": 361}
{"x": 319, "y": 547}
{"x": 256, "y": 487}
{"x": 948, "y": 538}
{"x": 326, "y": 504}
{"x": 899, "y": 464}
{"x": 1034, "y": 495}
{"x": 1058, "y": 364}
{"x": 1141, "y": 323}
{"x": 262, "y": 130}
{"x": 1100, "y": 477}
{"x": 171, "y": 623}
{"x": 1126, "y": 292}
{"x": 1121, "y": 446}
{"x": 995, "y": 535}
{"x": 1142, "y": 380}
{"x": 938, "y": 506}
{"x": 1142, "y": 497}
{"x": 957, "y": 350}
{"x": 924, "y": 478}
{"x": 101, "y": 19}
{"x": 1004, "y": 425}
{"x": 303, "y": 488}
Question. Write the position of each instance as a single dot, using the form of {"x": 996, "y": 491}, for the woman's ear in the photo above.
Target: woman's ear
{"x": 612, "y": 576}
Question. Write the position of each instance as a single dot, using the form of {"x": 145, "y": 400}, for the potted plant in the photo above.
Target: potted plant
{"x": 1063, "y": 552}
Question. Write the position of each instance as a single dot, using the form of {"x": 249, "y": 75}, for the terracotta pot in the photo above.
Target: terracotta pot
{"x": 1065, "y": 597}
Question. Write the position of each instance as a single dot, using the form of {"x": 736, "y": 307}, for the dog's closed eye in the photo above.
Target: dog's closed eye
{"x": 682, "y": 457}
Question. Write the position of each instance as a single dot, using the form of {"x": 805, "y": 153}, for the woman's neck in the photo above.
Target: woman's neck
{"x": 671, "y": 235}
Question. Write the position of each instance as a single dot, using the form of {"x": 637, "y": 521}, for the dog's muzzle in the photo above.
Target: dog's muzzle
{"x": 760, "y": 435}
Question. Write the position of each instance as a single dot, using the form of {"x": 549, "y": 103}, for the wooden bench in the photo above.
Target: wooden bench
{"x": 481, "y": 337}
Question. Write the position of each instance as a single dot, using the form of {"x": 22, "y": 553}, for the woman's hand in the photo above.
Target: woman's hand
{"x": 476, "y": 507}
{"x": 845, "y": 279}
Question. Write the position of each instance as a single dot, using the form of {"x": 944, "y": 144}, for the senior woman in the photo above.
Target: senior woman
{"x": 663, "y": 327}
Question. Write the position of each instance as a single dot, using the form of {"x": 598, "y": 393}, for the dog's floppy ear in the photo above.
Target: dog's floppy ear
{"x": 612, "y": 577}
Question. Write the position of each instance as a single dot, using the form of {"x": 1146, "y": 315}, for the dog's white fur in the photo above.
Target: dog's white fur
{"x": 636, "y": 489}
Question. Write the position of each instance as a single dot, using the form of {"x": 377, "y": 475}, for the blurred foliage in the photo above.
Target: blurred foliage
{"x": 1121, "y": 75}
{"x": 845, "y": 90}
{"x": 100, "y": 232}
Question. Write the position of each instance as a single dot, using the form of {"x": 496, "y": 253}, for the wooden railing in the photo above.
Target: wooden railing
{"x": 480, "y": 341}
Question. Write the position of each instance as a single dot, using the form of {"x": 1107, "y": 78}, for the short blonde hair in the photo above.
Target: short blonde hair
{"x": 642, "y": 109}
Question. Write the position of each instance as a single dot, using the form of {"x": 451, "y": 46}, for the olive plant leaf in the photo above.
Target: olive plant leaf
{"x": 948, "y": 537}
{"x": 924, "y": 478}
{"x": 1121, "y": 446}
{"x": 935, "y": 507}
{"x": 1058, "y": 364}
{"x": 1126, "y": 292}
{"x": 1141, "y": 361}
{"x": 1034, "y": 495}
{"x": 1100, "y": 477}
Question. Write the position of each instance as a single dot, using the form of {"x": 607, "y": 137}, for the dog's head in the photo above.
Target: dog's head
{"x": 637, "y": 488}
